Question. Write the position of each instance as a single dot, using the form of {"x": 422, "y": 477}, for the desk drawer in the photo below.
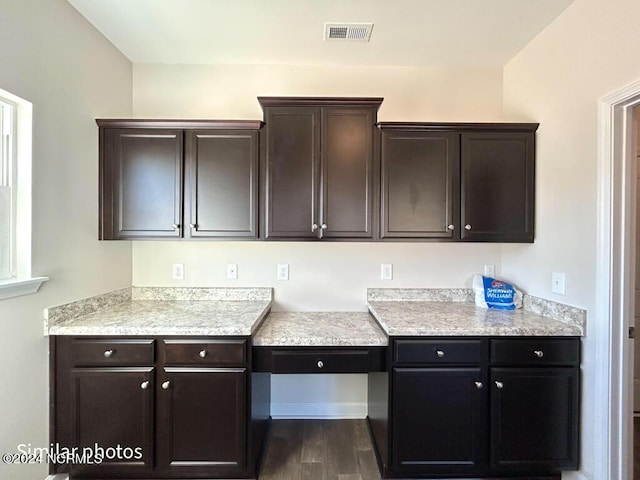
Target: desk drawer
{"x": 111, "y": 352}
{"x": 318, "y": 360}
{"x": 205, "y": 352}
{"x": 535, "y": 351}
{"x": 437, "y": 351}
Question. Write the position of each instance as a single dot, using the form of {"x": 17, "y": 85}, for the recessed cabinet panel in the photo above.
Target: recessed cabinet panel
{"x": 347, "y": 173}
{"x": 113, "y": 407}
{"x": 222, "y": 183}
{"x": 497, "y": 186}
{"x": 419, "y": 184}
{"x": 148, "y": 183}
{"x": 439, "y": 420}
{"x": 534, "y": 415}
{"x": 202, "y": 417}
{"x": 293, "y": 137}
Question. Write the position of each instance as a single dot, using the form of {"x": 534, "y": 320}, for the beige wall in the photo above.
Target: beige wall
{"x": 323, "y": 276}
{"x": 588, "y": 52}
{"x": 53, "y": 58}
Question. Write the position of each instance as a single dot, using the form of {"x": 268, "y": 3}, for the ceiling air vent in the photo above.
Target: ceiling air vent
{"x": 358, "y": 32}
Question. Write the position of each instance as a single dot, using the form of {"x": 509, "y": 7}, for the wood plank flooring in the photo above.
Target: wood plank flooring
{"x": 319, "y": 450}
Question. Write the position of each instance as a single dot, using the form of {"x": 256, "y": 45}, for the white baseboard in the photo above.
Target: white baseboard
{"x": 574, "y": 476}
{"x": 59, "y": 476}
{"x": 324, "y": 410}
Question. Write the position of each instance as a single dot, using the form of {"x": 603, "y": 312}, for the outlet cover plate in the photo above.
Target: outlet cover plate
{"x": 386, "y": 271}
{"x": 558, "y": 283}
{"x": 283, "y": 271}
{"x": 232, "y": 271}
{"x": 178, "y": 271}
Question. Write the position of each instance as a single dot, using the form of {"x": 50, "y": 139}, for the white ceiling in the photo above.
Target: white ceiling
{"x": 405, "y": 32}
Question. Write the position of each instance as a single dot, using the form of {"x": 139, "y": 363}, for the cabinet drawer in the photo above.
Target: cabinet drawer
{"x": 533, "y": 351}
{"x": 327, "y": 361}
{"x": 437, "y": 351}
{"x": 94, "y": 352}
{"x": 205, "y": 352}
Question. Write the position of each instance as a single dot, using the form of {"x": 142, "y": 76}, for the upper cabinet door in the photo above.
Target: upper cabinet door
{"x": 141, "y": 183}
{"x": 222, "y": 184}
{"x": 292, "y": 172}
{"x": 497, "y": 187}
{"x": 420, "y": 172}
{"x": 347, "y": 173}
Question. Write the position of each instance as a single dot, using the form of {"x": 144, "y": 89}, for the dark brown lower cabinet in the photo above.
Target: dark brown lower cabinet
{"x": 439, "y": 414}
{"x": 112, "y": 408}
{"x": 202, "y": 420}
{"x": 158, "y": 408}
{"x": 477, "y": 407}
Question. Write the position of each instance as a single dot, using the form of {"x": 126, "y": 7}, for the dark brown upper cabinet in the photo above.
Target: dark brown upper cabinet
{"x": 497, "y": 185}
{"x": 175, "y": 178}
{"x": 420, "y": 183}
{"x": 457, "y": 181}
{"x": 222, "y": 183}
{"x": 320, "y": 168}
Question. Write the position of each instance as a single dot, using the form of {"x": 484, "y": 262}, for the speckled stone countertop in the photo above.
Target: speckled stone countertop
{"x": 422, "y": 312}
{"x": 163, "y": 311}
{"x": 319, "y": 329}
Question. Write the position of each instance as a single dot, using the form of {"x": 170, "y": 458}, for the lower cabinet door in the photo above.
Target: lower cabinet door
{"x": 534, "y": 419}
{"x": 202, "y": 416}
{"x": 112, "y": 421}
{"x": 439, "y": 421}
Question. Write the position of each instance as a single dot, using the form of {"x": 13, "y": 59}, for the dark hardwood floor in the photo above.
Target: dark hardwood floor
{"x": 319, "y": 450}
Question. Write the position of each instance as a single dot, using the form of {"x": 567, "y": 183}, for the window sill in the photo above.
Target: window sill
{"x": 15, "y": 287}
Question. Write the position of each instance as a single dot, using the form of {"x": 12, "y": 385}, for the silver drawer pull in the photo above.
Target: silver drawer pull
{"x": 479, "y": 385}
{"x": 467, "y": 227}
{"x": 203, "y": 353}
{"x": 451, "y": 227}
{"x": 440, "y": 353}
{"x": 165, "y": 385}
{"x": 320, "y": 364}
{"x": 538, "y": 353}
{"x": 108, "y": 353}
{"x": 314, "y": 227}
{"x": 176, "y": 226}
{"x": 144, "y": 385}
{"x": 500, "y": 385}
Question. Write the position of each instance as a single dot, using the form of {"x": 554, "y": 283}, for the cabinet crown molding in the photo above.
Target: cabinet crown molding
{"x": 182, "y": 124}
{"x": 320, "y": 101}
{"x": 459, "y": 126}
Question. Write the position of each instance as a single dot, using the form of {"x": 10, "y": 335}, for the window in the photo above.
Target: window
{"x": 15, "y": 198}
{"x": 7, "y": 200}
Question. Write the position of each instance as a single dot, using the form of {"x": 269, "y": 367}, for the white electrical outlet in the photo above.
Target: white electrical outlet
{"x": 558, "y": 283}
{"x": 232, "y": 271}
{"x": 490, "y": 271}
{"x": 178, "y": 271}
{"x": 386, "y": 271}
{"x": 283, "y": 271}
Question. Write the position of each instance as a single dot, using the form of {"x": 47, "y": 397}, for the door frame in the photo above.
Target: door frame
{"x": 615, "y": 271}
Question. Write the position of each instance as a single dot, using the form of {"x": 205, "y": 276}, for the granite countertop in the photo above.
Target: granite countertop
{"x": 423, "y": 312}
{"x": 163, "y": 311}
{"x": 319, "y": 329}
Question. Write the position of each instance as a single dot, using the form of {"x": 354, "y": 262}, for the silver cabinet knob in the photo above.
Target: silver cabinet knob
{"x": 440, "y": 353}
{"x": 479, "y": 385}
{"x": 323, "y": 226}
{"x": 108, "y": 353}
{"x": 165, "y": 385}
{"x": 203, "y": 353}
{"x": 192, "y": 225}
{"x": 451, "y": 227}
{"x": 144, "y": 385}
{"x": 538, "y": 353}
{"x": 314, "y": 227}
{"x": 467, "y": 227}
{"x": 176, "y": 226}
{"x": 320, "y": 364}
{"x": 499, "y": 385}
